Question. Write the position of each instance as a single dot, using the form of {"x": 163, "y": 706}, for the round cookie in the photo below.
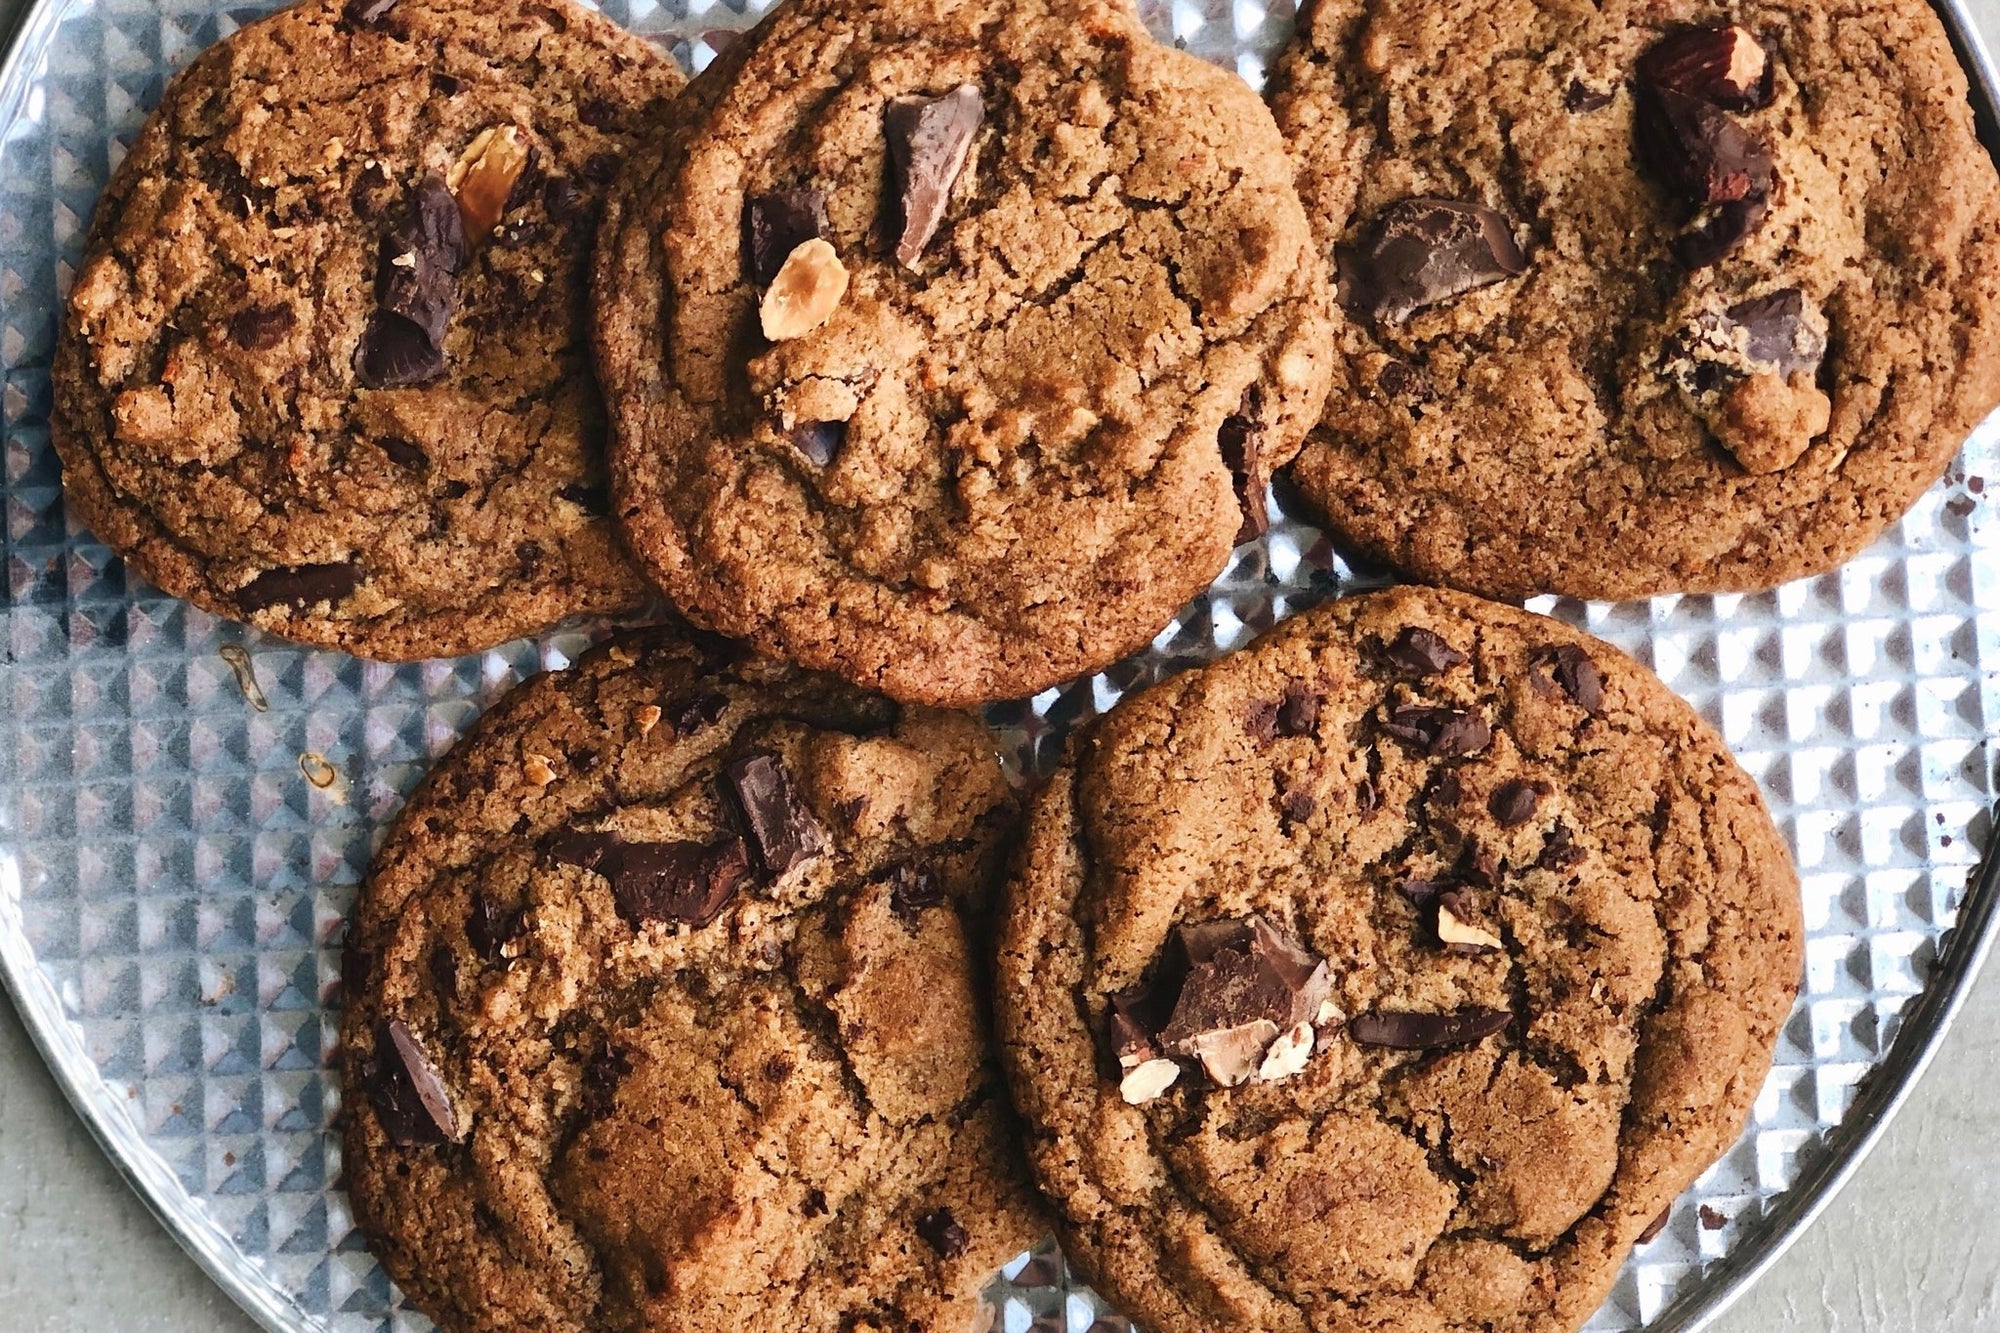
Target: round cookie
{"x": 324, "y": 368}
{"x": 947, "y": 341}
{"x": 1641, "y": 299}
{"x": 1394, "y": 972}
{"x": 662, "y": 1010}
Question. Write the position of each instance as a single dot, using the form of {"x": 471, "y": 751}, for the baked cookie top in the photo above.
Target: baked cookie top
{"x": 1641, "y": 299}
{"x": 1394, "y": 972}
{"x": 946, "y": 341}
{"x": 324, "y": 368}
{"x": 661, "y": 1010}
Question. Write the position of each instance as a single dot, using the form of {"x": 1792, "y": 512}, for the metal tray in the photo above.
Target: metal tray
{"x": 176, "y": 857}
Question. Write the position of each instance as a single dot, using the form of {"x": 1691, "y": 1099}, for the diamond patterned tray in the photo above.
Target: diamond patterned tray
{"x": 178, "y": 849}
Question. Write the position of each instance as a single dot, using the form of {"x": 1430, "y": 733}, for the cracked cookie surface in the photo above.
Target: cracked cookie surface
{"x": 662, "y": 1010}
{"x": 1598, "y": 424}
{"x": 1559, "y": 930}
{"x": 236, "y": 414}
{"x": 1079, "y": 315}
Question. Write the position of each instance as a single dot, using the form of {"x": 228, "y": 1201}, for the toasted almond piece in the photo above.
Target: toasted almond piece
{"x": 484, "y": 176}
{"x": 805, "y": 292}
{"x": 1287, "y": 1055}
{"x": 649, "y": 717}
{"x": 539, "y": 770}
{"x": 1148, "y": 1081}
{"x": 1453, "y": 931}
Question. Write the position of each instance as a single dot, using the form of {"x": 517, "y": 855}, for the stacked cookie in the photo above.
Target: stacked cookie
{"x": 1394, "y": 972}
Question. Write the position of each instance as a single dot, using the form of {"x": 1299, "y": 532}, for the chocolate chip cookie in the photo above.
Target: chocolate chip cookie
{"x": 660, "y": 1010}
{"x": 950, "y": 344}
{"x": 325, "y": 368}
{"x": 1394, "y": 972}
{"x": 1640, "y": 300}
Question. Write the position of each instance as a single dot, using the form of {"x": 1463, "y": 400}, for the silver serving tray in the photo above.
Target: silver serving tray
{"x": 174, "y": 875}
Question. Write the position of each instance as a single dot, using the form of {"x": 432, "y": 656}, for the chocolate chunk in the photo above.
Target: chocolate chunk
{"x": 819, "y": 441}
{"x": 1724, "y": 66}
{"x": 1298, "y": 711}
{"x": 1777, "y": 332}
{"x": 1241, "y": 441}
{"x": 1656, "y": 1226}
{"x": 1421, "y": 1032}
{"x": 1477, "y": 865}
{"x": 404, "y": 454}
{"x": 1297, "y": 805}
{"x": 942, "y": 1233}
{"x": 1401, "y": 380}
{"x": 781, "y": 824}
{"x": 598, "y": 112}
{"x": 366, "y": 13}
{"x": 1438, "y": 731}
{"x": 601, "y": 168}
{"x": 1419, "y": 650}
{"x": 488, "y": 926}
{"x": 776, "y": 224}
{"x": 1425, "y": 251}
{"x": 298, "y": 586}
{"x": 1559, "y": 849}
{"x": 1261, "y": 722}
{"x": 1422, "y": 893}
{"x": 1513, "y": 802}
{"x": 416, "y": 289}
{"x": 1246, "y": 983}
{"x": 691, "y": 714}
{"x": 1577, "y": 675}
{"x": 913, "y": 890}
{"x": 409, "y": 1095}
{"x": 561, "y": 198}
{"x": 1720, "y": 230}
{"x": 1698, "y": 151}
{"x": 928, "y": 142}
{"x": 443, "y": 84}
{"x": 591, "y": 497}
{"x": 684, "y": 882}
{"x": 1443, "y": 789}
{"x": 1582, "y": 97}
{"x": 261, "y": 328}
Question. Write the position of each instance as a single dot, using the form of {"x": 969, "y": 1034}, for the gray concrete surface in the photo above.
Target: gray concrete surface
{"x": 1911, "y": 1246}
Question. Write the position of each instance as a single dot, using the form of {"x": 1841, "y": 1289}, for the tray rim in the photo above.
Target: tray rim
{"x": 1962, "y": 954}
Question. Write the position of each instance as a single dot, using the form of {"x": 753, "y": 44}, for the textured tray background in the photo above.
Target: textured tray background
{"x": 172, "y": 887}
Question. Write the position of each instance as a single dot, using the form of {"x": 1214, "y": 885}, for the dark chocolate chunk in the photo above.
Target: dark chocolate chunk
{"x": 1477, "y": 865}
{"x": 1776, "y": 332}
{"x": 1577, "y": 675}
{"x": 598, "y": 112}
{"x": 1241, "y": 440}
{"x": 561, "y": 198}
{"x": 1584, "y": 98}
{"x": 404, "y": 454}
{"x": 913, "y": 889}
{"x": 1698, "y": 151}
{"x": 1444, "y": 788}
{"x": 929, "y": 139}
{"x": 1513, "y": 802}
{"x": 1722, "y": 65}
{"x": 298, "y": 586}
{"x": 1401, "y": 380}
{"x": 488, "y": 926}
{"x": 601, "y": 168}
{"x": 781, "y": 823}
{"x": 1422, "y": 893}
{"x": 691, "y": 714}
{"x": 591, "y": 497}
{"x": 1261, "y": 722}
{"x": 684, "y": 882}
{"x": 1424, "y": 652}
{"x": 1438, "y": 731}
{"x": 443, "y": 84}
{"x": 1656, "y": 1226}
{"x": 1296, "y": 806}
{"x": 261, "y": 328}
{"x": 416, "y": 290}
{"x": 1423, "y": 1032}
{"x": 819, "y": 441}
{"x": 1298, "y": 711}
{"x": 1246, "y": 984}
{"x": 776, "y": 224}
{"x": 942, "y": 1233}
{"x": 1424, "y": 251}
{"x": 1559, "y": 849}
{"x": 366, "y": 13}
{"x": 1719, "y": 230}
{"x": 409, "y": 1095}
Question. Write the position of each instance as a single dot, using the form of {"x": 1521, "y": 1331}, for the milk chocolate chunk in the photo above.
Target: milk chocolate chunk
{"x": 1246, "y": 983}
{"x": 298, "y": 586}
{"x": 1424, "y": 251}
{"x": 1723, "y": 65}
{"x": 1404, "y": 1031}
{"x": 684, "y": 882}
{"x": 929, "y": 138}
{"x": 776, "y": 224}
{"x": 781, "y": 824}
{"x": 409, "y": 1095}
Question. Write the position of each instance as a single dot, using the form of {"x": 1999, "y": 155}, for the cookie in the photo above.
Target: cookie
{"x": 949, "y": 344}
{"x": 1394, "y": 972}
{"x": 324, "y": 368}
{"x": 662, "y": 1010}
{"x": 1640, "y": 300}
